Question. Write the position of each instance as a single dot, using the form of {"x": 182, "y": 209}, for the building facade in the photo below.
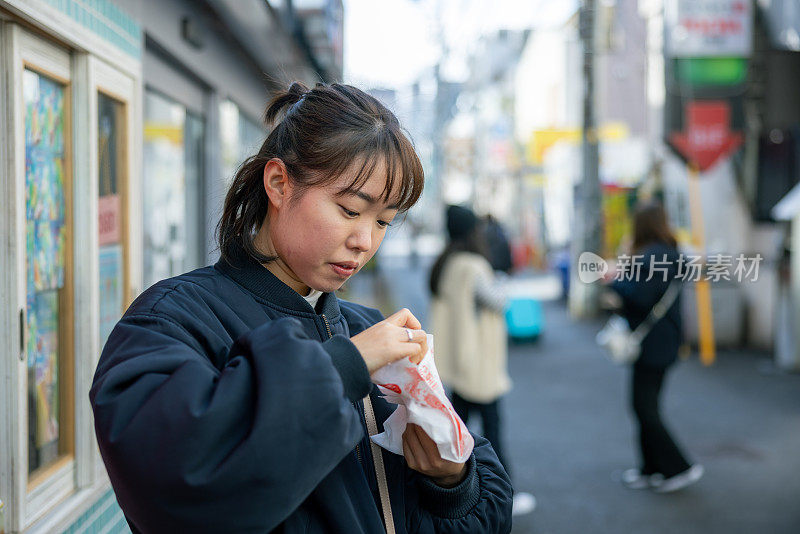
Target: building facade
{"x": 121, "y": 124}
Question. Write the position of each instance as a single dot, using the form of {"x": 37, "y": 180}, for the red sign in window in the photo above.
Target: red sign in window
{"x": 108, "y": 219}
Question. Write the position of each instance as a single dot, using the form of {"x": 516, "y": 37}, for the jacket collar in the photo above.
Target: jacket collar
{"x": 248, "y": 273}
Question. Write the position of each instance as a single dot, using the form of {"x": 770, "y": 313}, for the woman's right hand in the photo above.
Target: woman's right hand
{"x": 387, "y": 341}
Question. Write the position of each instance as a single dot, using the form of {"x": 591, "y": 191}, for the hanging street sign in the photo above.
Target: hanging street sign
{"x": 706, "y": 136}
{"x": 707, "y": 28}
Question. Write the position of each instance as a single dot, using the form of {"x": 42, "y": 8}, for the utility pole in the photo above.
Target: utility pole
{"x": 439, "y": 119}
{"x": 587, "y": 227}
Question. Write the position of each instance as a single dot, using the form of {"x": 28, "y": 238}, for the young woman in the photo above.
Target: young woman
{"x": 663, "y": 466}
{"x": 229, "y": 399}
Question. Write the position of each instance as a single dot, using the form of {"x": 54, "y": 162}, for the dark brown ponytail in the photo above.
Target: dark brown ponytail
{"x": 319, "y": 134}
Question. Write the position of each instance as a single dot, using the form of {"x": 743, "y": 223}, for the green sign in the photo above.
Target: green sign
{"x": 710, "y": 71}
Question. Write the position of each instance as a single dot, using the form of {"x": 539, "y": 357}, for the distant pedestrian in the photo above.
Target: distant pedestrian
{"x": 470, "y": 340}
{"x": 414, "y": 231}
{"x": 663, "y": 466}
{"x": 237, "y": 397}
{"x": 499, "y": 247}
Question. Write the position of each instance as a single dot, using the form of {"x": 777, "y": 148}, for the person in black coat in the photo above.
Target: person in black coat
{"x": 237, "y": 398}
{"x": 499, "y": 248}
{"x": 654, "y": 265}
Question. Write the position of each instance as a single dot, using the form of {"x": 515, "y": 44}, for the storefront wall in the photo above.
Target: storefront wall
{"x": 208, "y": 80}
{"x": 88, "y": 89}
{"x": 71, "y": 92}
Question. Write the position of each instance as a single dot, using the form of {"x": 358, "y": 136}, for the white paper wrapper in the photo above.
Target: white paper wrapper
{"x": 417, "y": 390}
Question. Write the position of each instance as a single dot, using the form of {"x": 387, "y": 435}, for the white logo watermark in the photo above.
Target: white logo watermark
{"x": 687, "y": 268}
{"x": 591, "y": 267}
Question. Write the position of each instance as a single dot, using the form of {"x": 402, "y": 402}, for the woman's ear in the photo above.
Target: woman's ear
{"x": 276, "y": 182}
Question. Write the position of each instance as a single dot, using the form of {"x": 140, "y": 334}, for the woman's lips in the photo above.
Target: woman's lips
{"x": 344, "y": 269}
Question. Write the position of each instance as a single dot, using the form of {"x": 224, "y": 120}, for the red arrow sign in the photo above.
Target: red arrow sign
{"x": 707, "y": 136}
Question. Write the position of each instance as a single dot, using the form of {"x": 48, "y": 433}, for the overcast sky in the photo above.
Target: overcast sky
{"x": 388, "y": 43}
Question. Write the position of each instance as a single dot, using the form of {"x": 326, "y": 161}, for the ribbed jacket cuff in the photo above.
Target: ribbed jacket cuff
{"x": 455, "y": 502}
{"x": 350, "y": 366}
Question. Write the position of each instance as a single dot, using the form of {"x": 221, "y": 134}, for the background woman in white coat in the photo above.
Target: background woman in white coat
{"x": 470, "y": 339}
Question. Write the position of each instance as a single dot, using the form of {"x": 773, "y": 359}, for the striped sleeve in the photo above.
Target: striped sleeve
{"x": 489, "y": 293}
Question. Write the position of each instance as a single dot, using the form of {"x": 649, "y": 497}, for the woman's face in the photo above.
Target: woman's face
{"x": 321, "y": 237}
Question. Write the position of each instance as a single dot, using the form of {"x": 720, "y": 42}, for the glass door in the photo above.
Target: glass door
{"x": 173, "y": 185}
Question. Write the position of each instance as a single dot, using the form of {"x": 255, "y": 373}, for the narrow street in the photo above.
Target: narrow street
{"x": 143, "y": 140}
{"x": 570, "y": 434}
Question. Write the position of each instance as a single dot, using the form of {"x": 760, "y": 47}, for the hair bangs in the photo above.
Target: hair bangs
{"x": 403, "y": 172}
{"x": 403, "y": 160}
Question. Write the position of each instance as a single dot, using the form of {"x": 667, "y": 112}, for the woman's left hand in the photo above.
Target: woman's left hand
{"x": 422, "y": 456}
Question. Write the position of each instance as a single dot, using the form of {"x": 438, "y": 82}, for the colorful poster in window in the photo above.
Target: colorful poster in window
{"x": 109, "y": 123}
{"x": 110, "y": 127}
{"x": 43, "y": 362}
{"x": 45, "y": 253}
{"x": 110, "y": 289}
{"x": 44, "y": 180}
{"x": 45, "y": 243}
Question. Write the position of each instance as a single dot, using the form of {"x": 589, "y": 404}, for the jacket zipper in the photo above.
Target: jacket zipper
{"x": 327, "y": 326}
{"x": 330, "y": 335}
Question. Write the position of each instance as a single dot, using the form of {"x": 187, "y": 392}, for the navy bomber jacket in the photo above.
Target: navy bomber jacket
{"x": 224, "y": 403}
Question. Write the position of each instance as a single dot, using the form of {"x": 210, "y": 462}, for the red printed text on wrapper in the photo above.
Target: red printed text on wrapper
{"x": 421, "y": 374}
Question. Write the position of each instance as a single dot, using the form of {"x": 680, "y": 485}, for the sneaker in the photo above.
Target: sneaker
{"x": 634, "y": 479}
{"x": 681, "y": 480}
{"x": 524, "y": 503}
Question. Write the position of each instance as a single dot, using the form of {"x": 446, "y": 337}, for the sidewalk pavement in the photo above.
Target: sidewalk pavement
{"x": 570, "y": 434}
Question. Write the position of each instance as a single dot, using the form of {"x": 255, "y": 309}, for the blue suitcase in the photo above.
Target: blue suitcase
{"x": 524, "y": 319}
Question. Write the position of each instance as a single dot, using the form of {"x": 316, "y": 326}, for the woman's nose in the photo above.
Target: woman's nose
{"x": 361, "y": 238}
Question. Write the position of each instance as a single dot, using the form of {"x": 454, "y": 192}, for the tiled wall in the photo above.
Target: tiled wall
{"x": 104, "y": 517}
{"x": 106, "y": 20}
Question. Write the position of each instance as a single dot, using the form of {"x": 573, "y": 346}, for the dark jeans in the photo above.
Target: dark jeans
{"x": 659, "y": 453}
{"x": 490, "y": 420}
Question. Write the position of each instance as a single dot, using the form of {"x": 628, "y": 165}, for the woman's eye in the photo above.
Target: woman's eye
{"x": 384, "y": 224}
{"x": 348, "y": 212}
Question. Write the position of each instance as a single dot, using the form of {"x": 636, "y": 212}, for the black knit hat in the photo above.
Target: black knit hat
{"x": 461, "y": 222}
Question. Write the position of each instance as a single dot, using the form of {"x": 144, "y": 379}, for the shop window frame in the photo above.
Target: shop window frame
{"x": 120, "y": 87}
